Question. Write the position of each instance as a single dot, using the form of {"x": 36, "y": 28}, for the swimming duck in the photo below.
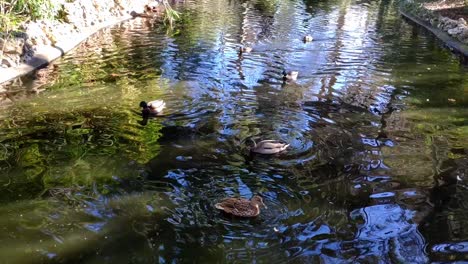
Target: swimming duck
{"x": 245, "y": 50}
{"x": 152, "y": 108}
{"x": 268, "y": 147}
{"x": 308, "y": 38}
{"x": 290, "y": 76}
{"x": 241, "y": 207}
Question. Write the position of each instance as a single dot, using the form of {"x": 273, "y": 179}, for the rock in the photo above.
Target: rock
{"x": 462, "y": 21}
{"x": 455, "y": 31}
{"x": 7, "y": 62}
{"x": 447, "y": 27}
{"x": 152, "y": 7}
{"x": 12, "y": 45}
{"x": 453, "y": 22}
{"x": 464, "y": 35}
{"x": 36, "y": 34}
{"x": 4, "y": 97}
{"x": 449, "y": 24}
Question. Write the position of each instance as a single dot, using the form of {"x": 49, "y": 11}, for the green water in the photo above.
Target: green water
{"x": 376, "y": 171}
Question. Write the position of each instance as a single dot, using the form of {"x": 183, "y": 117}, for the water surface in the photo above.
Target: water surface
{"x": 376, "y": 171}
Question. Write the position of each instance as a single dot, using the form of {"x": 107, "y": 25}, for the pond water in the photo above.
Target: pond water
{"x": 377, "y": 122}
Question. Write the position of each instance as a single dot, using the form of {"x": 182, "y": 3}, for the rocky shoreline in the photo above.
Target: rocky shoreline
{"x": 39, "y": 42}
{"x": 428, "y": 15}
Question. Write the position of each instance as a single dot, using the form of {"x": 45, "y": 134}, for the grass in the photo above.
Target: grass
{"x": 170, "y": 15}
{"x": 14, "y": 12}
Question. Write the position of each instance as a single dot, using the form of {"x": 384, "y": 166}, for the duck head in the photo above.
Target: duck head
{"x": 143, "y": 104}
{"x": 308, "y": 38}
{"x": 244, "y": 50}
{"x": 254, "y": 144}
{"x": 290, "y": 76}
{"x": 258, "y": 201}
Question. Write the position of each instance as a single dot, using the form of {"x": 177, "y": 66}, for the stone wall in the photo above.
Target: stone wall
{"x": 457, "y": 29}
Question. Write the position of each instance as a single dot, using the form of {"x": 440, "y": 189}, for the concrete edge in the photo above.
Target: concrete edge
{"x": 46, "y": 54}
{"x": 450, "y": 42}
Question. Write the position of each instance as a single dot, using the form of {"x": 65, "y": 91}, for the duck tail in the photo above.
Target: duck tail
{"x": 219, "y": 206}
{"x": 286, "y": 146}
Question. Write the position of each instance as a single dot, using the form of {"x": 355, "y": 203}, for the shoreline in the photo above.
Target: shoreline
{"x": 45, "y": 54}
{"x": 452, "y": 33}
{"x": 450, "y": 42}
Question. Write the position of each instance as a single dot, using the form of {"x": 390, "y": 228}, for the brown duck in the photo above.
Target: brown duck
{"x": 241, "y": 207}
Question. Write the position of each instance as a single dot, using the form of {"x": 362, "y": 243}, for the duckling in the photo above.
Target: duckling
{"x": 308, "y": 38}
{"x": 152, "y": 108}
{"x": 245, "y": 50}
{"x": 290, "y": 76}
{"x": 241, "y": 207}
{"x": 268, "y": 147}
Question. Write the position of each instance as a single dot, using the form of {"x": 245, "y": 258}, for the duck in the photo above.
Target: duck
{"x": 268, "y": 147}
{"x": 241, "y": 207}
{"x": 153, "y": 107}
{"x": 290, "y": 76}
{"x": 245, "y": 50}
{"x": 308, "y": 38}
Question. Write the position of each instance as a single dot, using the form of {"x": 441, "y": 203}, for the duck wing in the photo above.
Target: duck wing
{"x": 271, "y": 144}
{"x": 236, "y": 206}
{"x": 156, "y": 104}
{"x": 270, "y": 147}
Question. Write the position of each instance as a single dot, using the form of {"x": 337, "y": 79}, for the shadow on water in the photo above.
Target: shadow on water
{"x": 376, "y": 122}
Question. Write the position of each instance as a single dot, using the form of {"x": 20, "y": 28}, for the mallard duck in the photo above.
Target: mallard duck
{"x": 290, "y": 76}
{"x": 308, "y": 38}
{"x": 241, "y": 207}
{"x": 152, "y": 108}
{"x": 268, "y": 147}
{"x": 245, "y": 50}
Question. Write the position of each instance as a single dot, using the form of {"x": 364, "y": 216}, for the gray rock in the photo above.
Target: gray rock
{"x": 464, "y": 35}
{"x": 7, "y": 62}
{"x": 455, "y": 31}
{"x": 462, "y": 21}
{"x": 450, "y": 24}
{"x": 12, "y": 45}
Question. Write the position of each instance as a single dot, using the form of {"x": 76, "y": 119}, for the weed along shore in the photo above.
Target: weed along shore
{"x": 64, "y": 24}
